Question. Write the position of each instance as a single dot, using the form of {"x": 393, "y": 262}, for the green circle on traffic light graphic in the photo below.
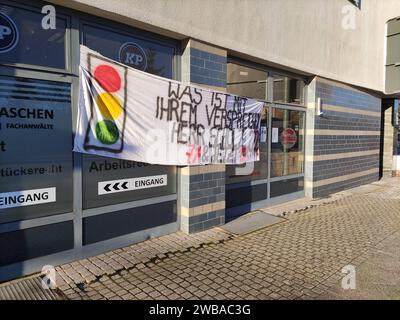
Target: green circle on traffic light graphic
{"x": 107, "y": 132}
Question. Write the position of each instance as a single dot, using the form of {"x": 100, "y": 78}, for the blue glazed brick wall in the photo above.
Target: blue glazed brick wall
{"x": 207, "y": 68}
{"x": 349, "y": 104}
{"x": 205, "y": 188}
{"x": 350, "y": 98}
{"x": 202, "y": 189}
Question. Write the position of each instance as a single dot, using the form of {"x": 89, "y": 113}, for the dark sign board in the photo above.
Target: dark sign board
{"x": 109, "y": 181}
{"x": 35, "y": 149}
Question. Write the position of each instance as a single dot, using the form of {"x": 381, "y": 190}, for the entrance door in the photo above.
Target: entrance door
{"x": 247, "y": 183}
{"x": 287, "y": 151}
{"x": 279, "y": 174}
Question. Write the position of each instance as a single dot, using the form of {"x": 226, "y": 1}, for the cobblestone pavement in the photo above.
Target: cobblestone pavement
{"x": 300, "y": 258}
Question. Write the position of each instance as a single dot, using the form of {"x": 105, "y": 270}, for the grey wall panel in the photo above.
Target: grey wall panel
{"x": 246, "y": 195}
{"x": 280, "y": 188}
{"x": 35, "y": 242}
{"x": 114, "y": 224}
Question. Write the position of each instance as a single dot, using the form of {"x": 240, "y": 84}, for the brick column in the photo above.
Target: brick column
{"x": 201, "y": 191}
{"x": 309, "y": 139}
{"x": 388, "y": 139}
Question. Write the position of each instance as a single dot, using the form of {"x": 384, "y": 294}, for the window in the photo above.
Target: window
{"x": 288, "y": 90}
{"x": 260, "y": 170}
{"x": 145, "y": 55}
{"x": 247, "y": 82}
{"x": 36, "y": 128}
{"x": 392, "y": 82}
{"x": 28, "y": 42}
{"x": 287, "y": 146}
{"x": 252, "y": 83}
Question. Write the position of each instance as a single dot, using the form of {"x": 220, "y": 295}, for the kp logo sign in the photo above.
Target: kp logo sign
{"x": 133, "y": 55}
{"x": 8, "y": 33}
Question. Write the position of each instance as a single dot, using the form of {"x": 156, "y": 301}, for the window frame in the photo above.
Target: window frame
{"x": 63, "y": 14}
{"x": 270, "y": 104}
{"x": 129, "y": 31}
{"x": 392, "y": 67}
{"x": 71, "y": 75}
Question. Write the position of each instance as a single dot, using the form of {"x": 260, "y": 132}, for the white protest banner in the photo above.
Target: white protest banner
{"x": 129, "y": 114}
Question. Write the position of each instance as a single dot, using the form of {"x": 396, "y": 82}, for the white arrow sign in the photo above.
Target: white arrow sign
{"x": 113, "y": 186}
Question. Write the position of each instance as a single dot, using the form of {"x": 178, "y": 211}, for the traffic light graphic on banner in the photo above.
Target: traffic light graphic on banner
{"x": 108, "y": 105}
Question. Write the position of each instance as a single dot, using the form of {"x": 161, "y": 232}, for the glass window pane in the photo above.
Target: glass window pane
{"x": 287, "y": 147}
{"x": 36, "y": 152}
{"x": 393, "y": 27}
{"x": 260, "y": 170}
{"x": 28, "y": 42}
{"x": 288, "y": 90}
{"x": 144, "y": 55}
{"x": 393, "y": 49}
{"x": 246, "y": 82}
{"x": 96, "y": 169}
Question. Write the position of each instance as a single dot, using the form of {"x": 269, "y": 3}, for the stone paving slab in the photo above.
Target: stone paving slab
{"x": 377, "y": 277}
{"x": 250, "y": 222}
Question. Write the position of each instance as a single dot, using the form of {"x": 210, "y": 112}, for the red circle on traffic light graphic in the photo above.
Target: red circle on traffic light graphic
{"x": 107, "y": 77}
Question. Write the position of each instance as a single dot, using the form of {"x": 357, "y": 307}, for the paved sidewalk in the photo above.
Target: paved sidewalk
{"x": 300, "y": 258}
{"x": 113, "y": 262}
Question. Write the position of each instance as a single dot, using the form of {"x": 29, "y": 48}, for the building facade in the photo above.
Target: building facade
{"x": 325, "y": 71}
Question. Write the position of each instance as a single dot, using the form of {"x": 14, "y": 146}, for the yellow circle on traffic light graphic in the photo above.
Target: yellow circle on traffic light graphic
{"x": 109, "y": 105}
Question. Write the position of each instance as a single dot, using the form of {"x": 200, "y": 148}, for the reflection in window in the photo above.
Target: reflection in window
{"x": 288, "y": 90}
{"x": 287, "y": 142}
{"x": 35, "y": 46}
{"x": 246, "y": 82}
{"x": 149, "y": 56}
{"x": 260, "y": 170}
{"x": 251, "y": 83}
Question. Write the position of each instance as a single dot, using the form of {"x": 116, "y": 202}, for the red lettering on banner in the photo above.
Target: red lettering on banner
{"x": 193, "y": 154}
{"x": 243, "y": 154}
